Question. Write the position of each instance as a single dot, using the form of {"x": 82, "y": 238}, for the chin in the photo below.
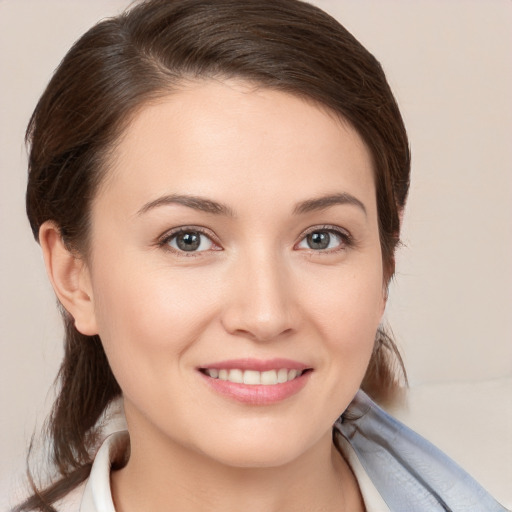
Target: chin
{"x": 259, "y": 449}
{"x": 254, "y": 457}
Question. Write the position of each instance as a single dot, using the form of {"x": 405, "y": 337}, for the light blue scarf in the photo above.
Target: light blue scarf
{"x": 411, "y": 474}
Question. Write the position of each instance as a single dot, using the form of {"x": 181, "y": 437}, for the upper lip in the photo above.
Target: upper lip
{"x": 260, "y": 365}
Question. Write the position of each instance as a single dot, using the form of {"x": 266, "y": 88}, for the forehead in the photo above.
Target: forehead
{"x": 226, "y": 137}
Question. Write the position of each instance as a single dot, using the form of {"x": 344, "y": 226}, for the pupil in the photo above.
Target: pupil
{"x": 188, "y": 241}
{"x": 319, "y": 240}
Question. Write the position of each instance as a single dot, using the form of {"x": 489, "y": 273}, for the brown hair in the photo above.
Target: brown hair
{"x": 122, "y": 63}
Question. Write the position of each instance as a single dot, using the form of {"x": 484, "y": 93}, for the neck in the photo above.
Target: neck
{"x": 165, "y": 476}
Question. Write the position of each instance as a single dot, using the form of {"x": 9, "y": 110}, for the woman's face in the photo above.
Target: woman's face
{"x": 236, "y": 237}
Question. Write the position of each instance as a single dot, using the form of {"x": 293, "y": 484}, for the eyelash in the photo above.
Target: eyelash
{"x": 347, "y": 241}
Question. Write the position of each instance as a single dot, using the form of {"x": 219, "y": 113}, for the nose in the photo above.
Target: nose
{"x": 261, "y": 303}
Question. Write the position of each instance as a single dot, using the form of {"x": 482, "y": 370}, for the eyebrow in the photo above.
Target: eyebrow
{"x": 323, "y": 202}
{"x": 194, "y": 202}
{"x": 209, "y": 206}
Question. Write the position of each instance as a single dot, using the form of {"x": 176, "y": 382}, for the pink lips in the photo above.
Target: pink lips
{"x": 257, "y": 394}
{"x": 257, "y": 364}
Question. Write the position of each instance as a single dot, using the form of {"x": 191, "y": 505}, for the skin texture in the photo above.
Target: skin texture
{"x": 255, "y": 289}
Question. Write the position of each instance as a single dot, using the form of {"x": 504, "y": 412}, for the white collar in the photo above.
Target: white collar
{"x": 97, "y": 495}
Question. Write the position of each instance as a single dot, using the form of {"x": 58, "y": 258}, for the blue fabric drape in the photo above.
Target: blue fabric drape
{"x": 411, "y": 474}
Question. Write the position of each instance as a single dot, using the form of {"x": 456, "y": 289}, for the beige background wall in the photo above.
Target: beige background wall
{"x": 449, "y": 63}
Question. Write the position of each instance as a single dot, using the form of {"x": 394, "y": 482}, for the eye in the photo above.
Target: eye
{"x": 189, "y": 240}
{"x": 324, "y": 239}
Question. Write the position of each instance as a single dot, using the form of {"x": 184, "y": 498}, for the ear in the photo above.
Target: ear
{"x": 70, "y": 278}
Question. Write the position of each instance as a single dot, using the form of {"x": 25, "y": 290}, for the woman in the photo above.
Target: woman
{"x": 217, "y": 188}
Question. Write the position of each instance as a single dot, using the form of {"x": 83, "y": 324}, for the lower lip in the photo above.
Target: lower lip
{"x": 257, "y": 394}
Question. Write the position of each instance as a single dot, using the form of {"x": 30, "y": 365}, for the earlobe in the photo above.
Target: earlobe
{"x": 69, "y": 277}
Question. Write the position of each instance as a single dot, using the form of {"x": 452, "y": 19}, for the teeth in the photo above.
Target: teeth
{"x": 236, "y": 376}
{"x": 282, "y": 375}
{"x": 253, "y": 377}
{"x": 269, "y": 378}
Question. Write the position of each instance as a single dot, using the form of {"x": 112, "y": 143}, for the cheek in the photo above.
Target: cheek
{"x": 347, "y": 310}
{"x": 348, "y": 302}
{"x": 147, "y": 317}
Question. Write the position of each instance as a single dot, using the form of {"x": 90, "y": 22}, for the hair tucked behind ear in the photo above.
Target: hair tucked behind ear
{"x": 151, "y": 50}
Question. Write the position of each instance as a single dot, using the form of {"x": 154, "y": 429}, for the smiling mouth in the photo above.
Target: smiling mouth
{"x": 254, "y": 377}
